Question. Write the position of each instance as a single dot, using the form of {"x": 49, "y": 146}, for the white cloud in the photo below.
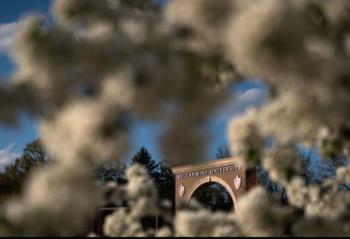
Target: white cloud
{"x": 240, "y": 102}
{"x": 7, "y": 31}
{"x": 7, "y": 156}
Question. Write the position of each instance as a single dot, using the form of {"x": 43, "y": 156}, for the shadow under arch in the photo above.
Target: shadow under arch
{"x": 214, "y": 179}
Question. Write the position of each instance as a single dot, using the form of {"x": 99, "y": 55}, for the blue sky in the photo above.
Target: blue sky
{"x": 12, "y": 141}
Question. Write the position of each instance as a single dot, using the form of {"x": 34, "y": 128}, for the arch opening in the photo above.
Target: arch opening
{"x": 214, "y": 197}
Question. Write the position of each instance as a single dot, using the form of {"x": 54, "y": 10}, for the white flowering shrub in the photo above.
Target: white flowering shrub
{"x": 100, "y": 64}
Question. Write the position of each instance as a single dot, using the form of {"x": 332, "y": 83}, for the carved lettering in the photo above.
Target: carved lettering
{"x": 206, "y": 172}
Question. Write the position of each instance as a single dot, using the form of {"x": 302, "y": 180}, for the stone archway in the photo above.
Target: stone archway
{"x": 214, "y": 179}
{"x": 227, "y": 172}
{"x": 214, "y": 197}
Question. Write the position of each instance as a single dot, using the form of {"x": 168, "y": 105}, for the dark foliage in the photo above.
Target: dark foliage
{"x": 13, "y": 177}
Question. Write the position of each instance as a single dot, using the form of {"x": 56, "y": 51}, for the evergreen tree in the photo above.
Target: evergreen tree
{"x": 14, "y": 175}
{"x": 165, "y": 182}
{"x": 162, "y": 175}
{"x": 144, "y": 158}
{"x": 312, "y": 171}
{"x": 111, "y": 172}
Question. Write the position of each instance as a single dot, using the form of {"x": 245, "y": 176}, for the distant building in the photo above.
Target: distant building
{"x": 227, "y": 172}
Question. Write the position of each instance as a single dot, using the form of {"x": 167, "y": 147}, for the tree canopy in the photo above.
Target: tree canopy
{"x": 14, "y": 175}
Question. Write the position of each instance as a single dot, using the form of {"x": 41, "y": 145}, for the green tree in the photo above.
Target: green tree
{"x": 161, "y": 175}
{"x": 165, "y": 182}
{"x": 144, "y": 158}
{"x": 159, "y": 171}
{"x": 313, "y": 171}
{"x": 14, "y": 175}
{"x": 111, "y": 172}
